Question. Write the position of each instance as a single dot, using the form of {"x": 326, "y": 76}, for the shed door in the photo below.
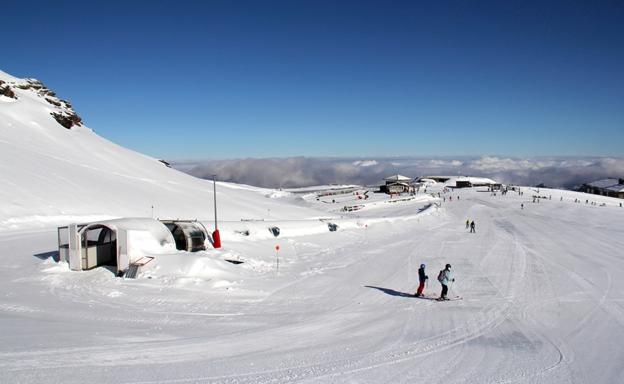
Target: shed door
{"x": 123, "y": 260}
{"x": 75, "y": 259}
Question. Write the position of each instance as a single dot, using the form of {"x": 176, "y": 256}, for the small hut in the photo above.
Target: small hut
{"x": 114, "y": 243}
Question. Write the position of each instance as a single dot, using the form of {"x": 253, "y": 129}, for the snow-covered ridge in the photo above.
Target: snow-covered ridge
{"x": 51, "y": 175}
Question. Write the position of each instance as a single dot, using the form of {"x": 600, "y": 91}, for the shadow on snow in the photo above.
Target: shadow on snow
{"x": 391, "y": 292}
{"x": 46, "y": 255}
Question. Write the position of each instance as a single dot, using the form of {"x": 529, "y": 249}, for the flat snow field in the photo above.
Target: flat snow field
{"x": 542, "y": 288}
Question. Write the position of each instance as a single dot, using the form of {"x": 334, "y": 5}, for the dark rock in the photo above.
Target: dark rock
{"x": 6, "y": 90}
{"x": 35, "y": 84}
{"x": 53, "y": 102}
{"x": 47, "y": 92}
{"x": 67, "y": 120}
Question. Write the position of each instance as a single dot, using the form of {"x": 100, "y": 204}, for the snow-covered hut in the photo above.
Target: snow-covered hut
{"x": 118, "y": 243}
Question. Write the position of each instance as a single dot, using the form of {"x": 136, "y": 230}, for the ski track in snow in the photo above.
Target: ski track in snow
{"x": 321, "y": 319}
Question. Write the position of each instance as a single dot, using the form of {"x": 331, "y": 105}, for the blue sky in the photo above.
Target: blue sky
{"x": 184, "y": 79}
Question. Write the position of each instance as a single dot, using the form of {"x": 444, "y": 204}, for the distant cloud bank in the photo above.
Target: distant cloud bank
{"x": 558, "y": 172}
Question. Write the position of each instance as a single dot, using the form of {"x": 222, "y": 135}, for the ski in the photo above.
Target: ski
{"x": 437, "y": 298}
{"x": 450, "y": 298}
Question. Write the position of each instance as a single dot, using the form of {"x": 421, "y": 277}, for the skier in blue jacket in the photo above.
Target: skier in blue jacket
{"x": 422, "y": 278}
{"x": 444, "y": 277}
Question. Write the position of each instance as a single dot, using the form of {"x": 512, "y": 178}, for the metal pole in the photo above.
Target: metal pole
{"x": 216, "y": 237}
{"x": 214, "y": 183}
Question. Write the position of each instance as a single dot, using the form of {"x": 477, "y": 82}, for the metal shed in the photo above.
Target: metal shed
{"x": 189, "y": 235}
{"x": 115, "y": 243}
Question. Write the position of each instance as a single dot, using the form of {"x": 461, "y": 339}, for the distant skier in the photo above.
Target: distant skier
{"x": 467, "y": 223}
{"x": 521, "y": 205}
{"x": 422, "y": 278}
{"x": 444, "y": 277}
{"x": 472, "y": 227}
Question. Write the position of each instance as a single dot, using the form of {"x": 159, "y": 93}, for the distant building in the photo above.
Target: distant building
{"x": 463, "y": 184}
{"x": 396, "y": 184}
{"x": 469, "y": 182}
{"x": 606, "y": 187}
{"x": 437, "y": 179}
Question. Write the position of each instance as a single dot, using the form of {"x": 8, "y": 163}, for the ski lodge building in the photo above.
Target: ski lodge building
{"x": 606, "y": 187}
{"x": 397, "y": 184}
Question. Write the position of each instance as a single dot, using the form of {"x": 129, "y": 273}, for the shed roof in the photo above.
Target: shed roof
{"x": 134, "y": 224}
{"x": 397, "y": 177}
{"x": 608, "y": 184}
{"x": 145, "y": 234}
{"x": 401, "y": 183}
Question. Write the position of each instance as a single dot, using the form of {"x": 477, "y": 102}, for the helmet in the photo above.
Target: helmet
{"x": 422, "y": 265}
{"x": 448, "y": 266}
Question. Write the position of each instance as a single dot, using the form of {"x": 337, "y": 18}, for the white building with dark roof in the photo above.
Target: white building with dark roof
{"x": 397, "y": 184}
{"x": 606, "y": 187}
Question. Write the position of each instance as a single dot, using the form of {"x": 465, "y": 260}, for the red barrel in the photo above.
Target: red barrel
{"x": 216, "y": 239}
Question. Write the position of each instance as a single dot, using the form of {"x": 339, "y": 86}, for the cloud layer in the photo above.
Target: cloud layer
{"x": 306, "y": 171}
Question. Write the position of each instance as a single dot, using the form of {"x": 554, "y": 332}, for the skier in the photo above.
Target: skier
{"x": 467, "y": 223}
{"x": 521, "y": 205}
{"x": 472, "y": 227}
{"x": 444, "y": 277}
{"x": 422, "y": 278}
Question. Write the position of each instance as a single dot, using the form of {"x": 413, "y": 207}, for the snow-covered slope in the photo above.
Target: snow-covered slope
{"x": 542, "y": 298}
{"x": 53, "y": 174}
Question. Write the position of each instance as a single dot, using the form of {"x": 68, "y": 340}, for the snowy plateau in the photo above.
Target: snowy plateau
{"x": 541, "y": 286}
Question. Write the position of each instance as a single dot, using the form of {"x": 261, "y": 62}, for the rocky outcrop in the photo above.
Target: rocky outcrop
{"x": 67, "y": 120}
{"x": 53, "y": 101}
{"x": 5, "y": 90}
{"x": 62, "y": 113}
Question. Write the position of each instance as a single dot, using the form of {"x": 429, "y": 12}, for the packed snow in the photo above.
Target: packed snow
{"x": 541, "y": 299}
